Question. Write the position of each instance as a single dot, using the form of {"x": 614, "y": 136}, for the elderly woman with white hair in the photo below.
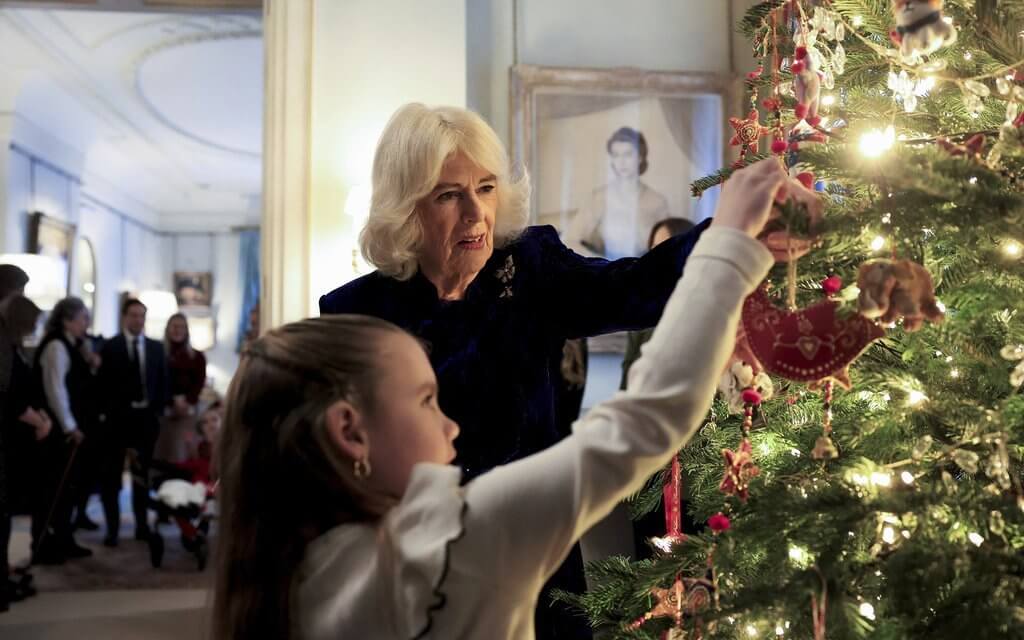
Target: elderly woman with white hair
{"x": 493, "y": 299}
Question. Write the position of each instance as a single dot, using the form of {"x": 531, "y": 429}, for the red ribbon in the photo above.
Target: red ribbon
{"x": 672, "y": 493}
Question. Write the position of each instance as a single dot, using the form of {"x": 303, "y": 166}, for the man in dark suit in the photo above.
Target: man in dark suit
{"x": 135, "y": 381}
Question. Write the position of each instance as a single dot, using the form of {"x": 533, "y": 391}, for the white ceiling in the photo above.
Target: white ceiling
{"x": 164, "y": 108}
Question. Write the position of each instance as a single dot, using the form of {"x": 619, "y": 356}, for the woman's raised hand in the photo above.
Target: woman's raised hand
{"x": 749, "y": 194}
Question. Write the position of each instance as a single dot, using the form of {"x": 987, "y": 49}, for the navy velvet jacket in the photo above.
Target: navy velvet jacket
{"x": 497, "y": 352}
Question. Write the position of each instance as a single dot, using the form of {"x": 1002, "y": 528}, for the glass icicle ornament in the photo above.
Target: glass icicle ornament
{"x": 1002, "y": 85}
{"x": 839, "y": 59}
{"x": 921, "y": 448}
{"x": 996, "y": 522}
{"x": 840, "y": 32}
{"x": 977, "y": 88}
{"x": 966, "y": 460}
{"x": 1012, "y": 109}
{"x": 949, "y": 483}
{"x": 1018, "y": 94}
{"x": 973, "y": 104}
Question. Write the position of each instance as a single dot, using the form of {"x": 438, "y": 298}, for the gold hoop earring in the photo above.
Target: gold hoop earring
{"x": 362, "y": 469}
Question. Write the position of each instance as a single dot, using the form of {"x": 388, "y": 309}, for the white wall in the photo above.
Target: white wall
{"x": 219, "y": 254}
{"x": 129, "y": 255}
{"x": 369, "y": 58}
{"x": 657, "y": 35}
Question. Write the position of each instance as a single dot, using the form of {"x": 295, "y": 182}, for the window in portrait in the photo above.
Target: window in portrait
{"x": 50, "y": 237}
{"x": 193, "y": 288}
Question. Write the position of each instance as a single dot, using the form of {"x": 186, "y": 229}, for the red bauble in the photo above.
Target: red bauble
{"x": 815, "y": 121}
{"x": 771, "y": 104}
{"x": 719, "y": 522}
{"x": 806, "y": 178}
{"x": 806, "y": 345}
{"x": 751, "y": 396}
{"x": 831, "y": 285}
{"x": 801, "y": 53}
{"x": 797, "y": 67}
{"x": 779, "y": 146}
{"x": 800, "y": 111}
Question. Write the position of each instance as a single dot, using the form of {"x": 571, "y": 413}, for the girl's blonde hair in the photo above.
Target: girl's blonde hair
{"x": 282, "y": 481}
{"x": 406, "y": 168}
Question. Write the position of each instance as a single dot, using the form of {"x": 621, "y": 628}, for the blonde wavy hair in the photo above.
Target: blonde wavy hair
{"x": 406, "y": 168}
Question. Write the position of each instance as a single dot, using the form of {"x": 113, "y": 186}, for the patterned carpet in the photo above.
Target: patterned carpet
{"x": 124, "y": 567}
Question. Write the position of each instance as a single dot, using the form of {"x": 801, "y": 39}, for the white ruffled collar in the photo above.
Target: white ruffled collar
{"x": 412, "y": 545}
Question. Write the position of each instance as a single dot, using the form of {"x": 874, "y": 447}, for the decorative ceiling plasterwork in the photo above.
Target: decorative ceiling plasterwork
{"x": 177, "y": 165}
{"x": 159, "y": 114}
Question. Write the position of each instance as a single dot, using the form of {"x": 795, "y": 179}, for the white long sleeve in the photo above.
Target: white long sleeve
{"x": 56, "y": 363}
{"x": 526, "y": 515}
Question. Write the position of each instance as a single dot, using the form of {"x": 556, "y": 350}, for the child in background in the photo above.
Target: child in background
{"x": 341, "y": 516}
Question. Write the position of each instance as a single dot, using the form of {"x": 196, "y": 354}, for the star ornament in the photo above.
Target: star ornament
{"x": 972, "y": 148}
{"x": 739, "y": 471}
{"x": 748, "y": 131}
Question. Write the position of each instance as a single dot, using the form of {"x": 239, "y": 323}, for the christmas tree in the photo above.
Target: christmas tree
{"x": 895, "y": 508}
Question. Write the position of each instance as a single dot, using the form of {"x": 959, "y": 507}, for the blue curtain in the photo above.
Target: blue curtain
{"x": 250, "y": 271}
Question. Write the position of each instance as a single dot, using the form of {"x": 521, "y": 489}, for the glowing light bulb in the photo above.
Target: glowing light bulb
{"x": 975, "y": 538}
{"x": 925, "y": 85}
{"x": 967, "y": 55}
{"x": 874, "y": 143}
{"x": 800, "y": 556}
{"x": 828, "y": 100}
{"x": 881, "y": 479}
{"x": 889, "y": 535}
{"x": 878, "y": 243}
{"x": 867, "y": 610}
{"x": 907, "y": 477}
{"x": 942, "y": 307}
{"x": 751, "y": 631}
{"x": 954, "y": 373}
{"x": 973, "y": 180}
{"x": 779, "y": 631}
{"x": 1012, "y": 248}
{"x": 915, "y": 398}
{"x": 858, "y": 21}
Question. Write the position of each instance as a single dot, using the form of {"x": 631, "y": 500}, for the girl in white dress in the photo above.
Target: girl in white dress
{"x": 341, "y": 517}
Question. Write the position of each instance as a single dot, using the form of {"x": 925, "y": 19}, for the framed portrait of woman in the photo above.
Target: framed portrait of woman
{"x": 613, "y": 152}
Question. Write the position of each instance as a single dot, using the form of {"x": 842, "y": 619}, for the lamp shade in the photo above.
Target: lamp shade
{"x": 47, "y": 277}
{"x": 159, "y": 304}
{"x": 202, "y": 333}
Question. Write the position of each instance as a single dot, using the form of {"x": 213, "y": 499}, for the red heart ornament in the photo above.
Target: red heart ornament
{"x": 809, "y": 344}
